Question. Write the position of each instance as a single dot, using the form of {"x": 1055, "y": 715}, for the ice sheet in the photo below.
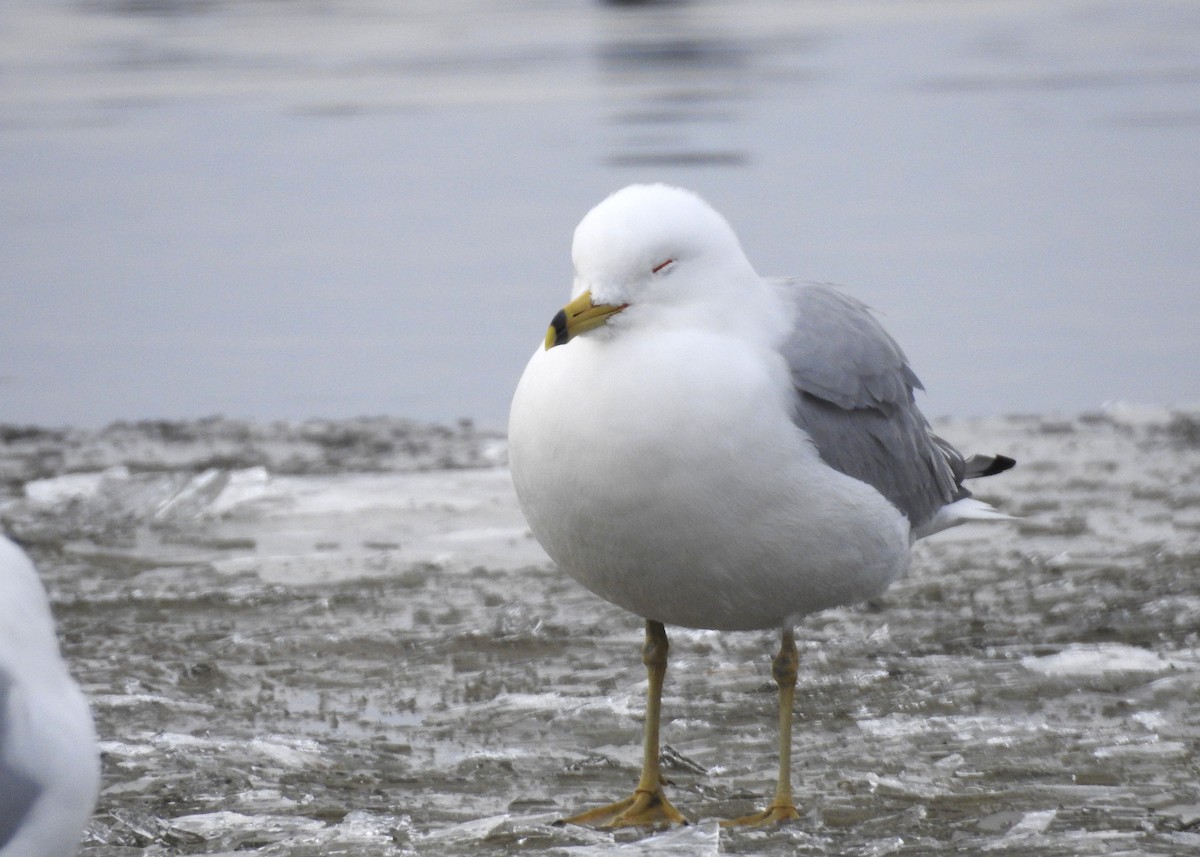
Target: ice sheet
{"x": 293, "y": 660}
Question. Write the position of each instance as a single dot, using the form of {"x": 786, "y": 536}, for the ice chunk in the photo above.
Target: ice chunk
{"x": 1099, "y": 658}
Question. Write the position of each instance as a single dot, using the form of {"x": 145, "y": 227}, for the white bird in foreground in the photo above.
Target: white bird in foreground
{"x": 711, "y": 449}
{"x": 49, "y": 761}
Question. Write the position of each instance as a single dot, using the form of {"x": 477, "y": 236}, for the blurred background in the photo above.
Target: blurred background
{"x": 329, "y": 208}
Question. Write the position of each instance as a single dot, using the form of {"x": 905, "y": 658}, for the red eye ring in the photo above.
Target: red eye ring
{"x": 661, "y": 265}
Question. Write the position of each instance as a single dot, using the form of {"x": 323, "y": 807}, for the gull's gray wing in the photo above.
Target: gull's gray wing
{"x": 854, "y": 398}
{"x": 18, "y": 792}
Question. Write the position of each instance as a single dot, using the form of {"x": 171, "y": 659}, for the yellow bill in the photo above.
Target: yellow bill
{"x": 578, "y": 316}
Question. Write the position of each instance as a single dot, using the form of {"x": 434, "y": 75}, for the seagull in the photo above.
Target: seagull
{"x": 708, "y": 448}
{"x": 49, "y": 761}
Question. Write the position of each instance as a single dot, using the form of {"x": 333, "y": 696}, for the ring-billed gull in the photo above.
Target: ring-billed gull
{"x": 49, "y": 764}
{"x": 708, "y": 448}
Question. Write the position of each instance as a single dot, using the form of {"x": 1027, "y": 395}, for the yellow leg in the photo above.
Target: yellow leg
{"x": 784, "y": 668}
{"x": 648, "y": 804}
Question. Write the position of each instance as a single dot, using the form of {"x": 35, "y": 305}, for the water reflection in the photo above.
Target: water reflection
{"x": 678, "y": 101}
{"x": 151, "y": 8}
{"x": 191, "y": 207}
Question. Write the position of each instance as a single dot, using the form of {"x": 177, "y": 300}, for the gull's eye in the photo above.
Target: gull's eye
{"x": 662, "y": 266}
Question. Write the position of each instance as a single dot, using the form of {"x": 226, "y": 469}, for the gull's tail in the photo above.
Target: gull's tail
{"x": 967, "y": 508}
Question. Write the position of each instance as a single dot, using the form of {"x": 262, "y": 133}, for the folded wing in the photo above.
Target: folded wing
{"x": 854, "y": 398}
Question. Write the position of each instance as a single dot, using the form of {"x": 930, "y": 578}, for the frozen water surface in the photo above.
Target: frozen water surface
{"x": 291, "y": 657}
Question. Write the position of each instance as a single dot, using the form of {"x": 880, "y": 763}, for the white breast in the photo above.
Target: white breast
{"x": 679, "y": 489}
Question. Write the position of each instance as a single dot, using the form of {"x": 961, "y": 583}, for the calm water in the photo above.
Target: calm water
{"x": 335, "y": 208}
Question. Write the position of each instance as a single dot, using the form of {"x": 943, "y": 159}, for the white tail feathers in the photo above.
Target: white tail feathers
{"x": 959, "y": 512}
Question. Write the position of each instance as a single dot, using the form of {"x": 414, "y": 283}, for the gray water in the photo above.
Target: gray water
{"x": 273, "y": 210}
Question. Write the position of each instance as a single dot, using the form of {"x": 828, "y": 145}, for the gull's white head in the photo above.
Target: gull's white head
{"x": 653, "y": 252}
{"x": 634, "y": 244}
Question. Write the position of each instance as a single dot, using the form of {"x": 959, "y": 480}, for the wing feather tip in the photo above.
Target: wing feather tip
{"x": 979, "y": 466}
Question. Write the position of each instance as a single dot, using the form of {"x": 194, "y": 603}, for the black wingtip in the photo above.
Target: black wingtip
{"x": 999, "y": 464}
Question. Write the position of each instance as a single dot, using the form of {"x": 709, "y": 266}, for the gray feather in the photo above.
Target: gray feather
{"x": 854, "y": 398}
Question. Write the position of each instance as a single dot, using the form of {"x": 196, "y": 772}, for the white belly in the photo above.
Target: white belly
{"x": 683, "y": 493}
